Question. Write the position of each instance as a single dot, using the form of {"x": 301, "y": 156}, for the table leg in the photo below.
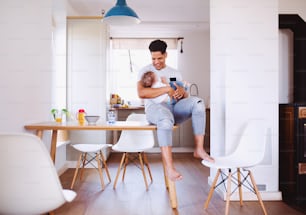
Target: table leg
{"x": 39, "y": 133}
{"x": 53, "y": 145}
{"x": 115, "y": 137}
{"x": 172, "y": 194}
{"x": 170, "y": 186}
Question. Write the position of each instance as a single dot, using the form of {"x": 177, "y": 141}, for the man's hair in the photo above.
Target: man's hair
{"x": 158, "y": 46}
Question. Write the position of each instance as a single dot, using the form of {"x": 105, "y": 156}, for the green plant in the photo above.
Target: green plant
{"x": 54, "y": 111}
{"x": 66, "y": 112}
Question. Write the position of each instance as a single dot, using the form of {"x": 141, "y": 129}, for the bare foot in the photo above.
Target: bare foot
{"x": 173, "y": 175}
{"x": 203, "y": 155}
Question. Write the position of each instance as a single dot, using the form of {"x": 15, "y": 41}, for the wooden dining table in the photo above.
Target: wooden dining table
{"x": 55, "y": 127}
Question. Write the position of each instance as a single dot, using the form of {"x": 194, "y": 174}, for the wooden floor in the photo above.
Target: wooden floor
{"x": 131, "y": 198}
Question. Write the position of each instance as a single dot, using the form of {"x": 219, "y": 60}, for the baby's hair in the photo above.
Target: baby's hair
{"x": 147, "y": 79}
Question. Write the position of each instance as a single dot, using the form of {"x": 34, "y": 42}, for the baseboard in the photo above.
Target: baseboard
{"x": 72, "y": 164}
{"x": 63, "y": 169}
{"x": 247, "y": 195}
{"x": 174, "y": 150}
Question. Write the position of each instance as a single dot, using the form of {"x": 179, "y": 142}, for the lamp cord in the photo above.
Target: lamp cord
{"x": 182, "y": 46}
{"x": 130, "y": 59}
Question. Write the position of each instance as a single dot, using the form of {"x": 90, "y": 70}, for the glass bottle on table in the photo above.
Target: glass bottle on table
{"x": 111, "y": 116}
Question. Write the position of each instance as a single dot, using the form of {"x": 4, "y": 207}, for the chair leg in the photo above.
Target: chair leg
{"x": 239, "y": 186}
{"x": 257, "y": 192}
{"x": 142, "y": 170}
{"x": 105, "y": 166}
{"x": 212, "y": 188}
{"x": 76, "y": 171}
{"x": 118, "y": 171}
{"x": 83, "y": 165}
{"x": 147, "y": 165}
{"x": 100, "y": 170}
{"x": 126, "y": 161}
{"x": 228, "y": 192}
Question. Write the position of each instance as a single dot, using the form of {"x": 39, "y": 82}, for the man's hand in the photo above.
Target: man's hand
{"x": 171, "y": 92}
{"x": 179, "y": 92}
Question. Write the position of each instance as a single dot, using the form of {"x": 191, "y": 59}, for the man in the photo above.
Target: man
{"x": 165, "y": 116}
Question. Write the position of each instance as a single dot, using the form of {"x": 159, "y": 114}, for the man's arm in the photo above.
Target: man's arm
{"x": 148, "y": 92}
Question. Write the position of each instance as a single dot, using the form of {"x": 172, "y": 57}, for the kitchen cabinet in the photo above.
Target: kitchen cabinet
{"x": 292, "y": 156}
{"x": 287, "y": 176}
{"x": 122, "y": 113}
{"x": 186, "y": 134}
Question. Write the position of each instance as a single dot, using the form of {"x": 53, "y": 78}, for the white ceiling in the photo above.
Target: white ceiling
{"x": 163, "y": 16}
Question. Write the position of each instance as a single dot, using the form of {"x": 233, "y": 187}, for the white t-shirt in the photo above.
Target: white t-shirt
{"x": 162, "y": 98}
{"x": 167, "y": 72}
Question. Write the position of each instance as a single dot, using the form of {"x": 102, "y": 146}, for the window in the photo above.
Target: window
{"x": 128, "y": 56}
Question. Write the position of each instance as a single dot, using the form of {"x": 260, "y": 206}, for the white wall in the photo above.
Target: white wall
{"x": 87, "y": 45}
{"x": 244, "y": 79}
{"x": 194, "y": 62}
{"x": 28, "y": 54}
{"x": 26, "y": 63}
{"x": 58, "y": 47}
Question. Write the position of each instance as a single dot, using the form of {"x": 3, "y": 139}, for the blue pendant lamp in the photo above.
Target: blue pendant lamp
{"x": 121, "y": 14}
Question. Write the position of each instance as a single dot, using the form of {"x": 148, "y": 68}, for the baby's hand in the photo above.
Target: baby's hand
{"x": 164, "y": 80}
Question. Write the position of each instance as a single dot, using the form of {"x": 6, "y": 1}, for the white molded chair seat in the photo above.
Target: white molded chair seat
{"x": 85, "y": 159}
{"x": 249, "y": 153}
{"x": 29, "y": 182}
{"x": 130, "y": 146}
{"x": 135, "y": 141}
{"x": 90, "y": 148}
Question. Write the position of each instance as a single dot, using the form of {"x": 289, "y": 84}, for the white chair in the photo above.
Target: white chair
{"x": 249, "y": 152}
{"x": 29, "y": 183}
{"x": 134, "y": 141}
{"x": 88, "y": 154}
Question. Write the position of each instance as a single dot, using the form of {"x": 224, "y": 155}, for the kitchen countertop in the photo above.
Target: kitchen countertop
{"x": 130, "y": 108}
